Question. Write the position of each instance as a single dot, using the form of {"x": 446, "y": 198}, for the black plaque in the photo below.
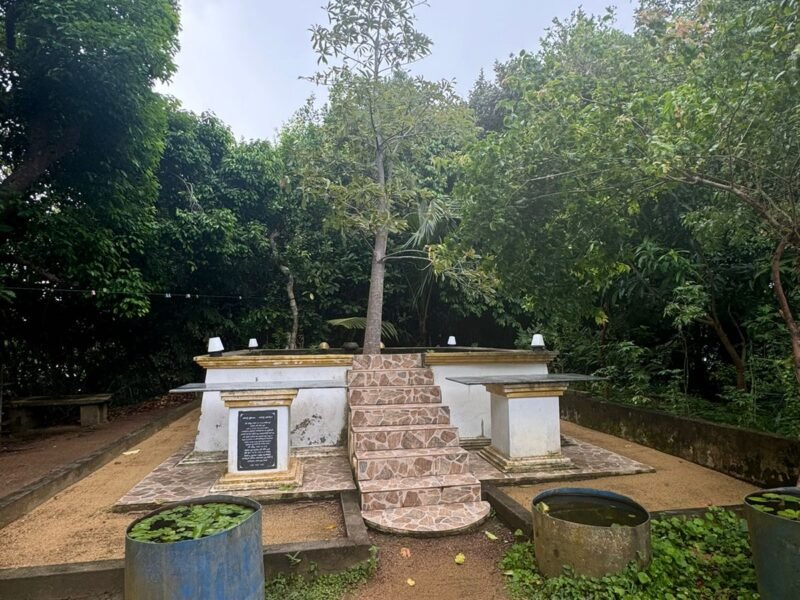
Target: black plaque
{"x": 257, "y": 440}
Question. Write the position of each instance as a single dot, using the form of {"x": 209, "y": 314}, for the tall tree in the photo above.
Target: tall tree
{"x": 83, "y": 131}
{"x": 693, "y": 118}
{"x": 381, "y": 112}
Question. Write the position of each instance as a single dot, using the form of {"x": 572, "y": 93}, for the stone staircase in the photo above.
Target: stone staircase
{"x": 413, "y": 476}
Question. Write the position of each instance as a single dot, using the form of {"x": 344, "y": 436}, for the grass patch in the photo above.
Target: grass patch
{"x": 699, "y": 558}
{"x": 320, "y": 587}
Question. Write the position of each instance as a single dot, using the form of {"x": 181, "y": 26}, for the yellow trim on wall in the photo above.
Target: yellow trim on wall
{"x": 527, "y": 390}
{"x": 248, "y": 399}
{"x": 472, "y": 358}
{"x": 273, "y": 361}
{"x": 430, "y": 358}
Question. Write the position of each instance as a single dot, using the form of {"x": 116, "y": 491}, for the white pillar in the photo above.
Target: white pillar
{"x": 526, "y": 428}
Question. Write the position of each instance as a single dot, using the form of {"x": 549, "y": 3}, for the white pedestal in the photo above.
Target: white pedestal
{"x": 259, "y": 448}
{"x": 526, "y": 429}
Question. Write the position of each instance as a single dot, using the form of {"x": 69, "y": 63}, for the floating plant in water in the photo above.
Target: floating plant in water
{"x": 189, "y": 522}
{"x": 781, "y": 505}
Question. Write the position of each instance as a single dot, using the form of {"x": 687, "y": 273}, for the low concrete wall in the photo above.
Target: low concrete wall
{"x": 759, "y": 458}
{"x": 24, "y": 500}
{"x": 106, "y": 578}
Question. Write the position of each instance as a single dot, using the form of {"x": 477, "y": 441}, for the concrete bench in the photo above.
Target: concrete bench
{"x": 94, "y": 409}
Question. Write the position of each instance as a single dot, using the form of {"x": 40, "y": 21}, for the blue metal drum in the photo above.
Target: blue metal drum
{"x": 225, "y": 566}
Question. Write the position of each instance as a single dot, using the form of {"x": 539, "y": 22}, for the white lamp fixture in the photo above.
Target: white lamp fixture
{"x": 253, "y": 343}
{"x": 537, "y": 343}
{"x": 215, "y": 346}
{"x": 451, "y": 341}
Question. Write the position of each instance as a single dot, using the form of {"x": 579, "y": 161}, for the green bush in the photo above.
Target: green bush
{"x": 319, "y": 587}
{"x": 699, "y": 558}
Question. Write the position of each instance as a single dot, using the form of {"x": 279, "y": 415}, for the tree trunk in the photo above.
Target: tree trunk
{"x": 736, "y": 358}
{"x": 292, "y": 341}
{"x": 293, "y": 306}
{"x": 372, "y": 330}
{"x": 372, "y": 333}
{"x": 783, "y": 307}
{"x": 45, "y": 148}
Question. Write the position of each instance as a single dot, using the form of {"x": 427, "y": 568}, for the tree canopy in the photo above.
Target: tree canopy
{"x": 631, "y": 195}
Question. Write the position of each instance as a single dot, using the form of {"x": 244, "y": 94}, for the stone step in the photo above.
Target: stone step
{"x": 399, "y": 437}
{"x": 393, "y": 377}
{"x": 399, "y": 414}
{"x": 428, "y": 521}
{"x": 386, "y": 361}
{"x": 380, "y": 494}
{"x": 421, "y": 462}
{"x": 380, "y": 396}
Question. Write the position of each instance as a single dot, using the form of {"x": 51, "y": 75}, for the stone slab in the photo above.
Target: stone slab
{"x": 434, "y": 520}
{"x": 523, "y": 379}
{"x": 255, "y": 386}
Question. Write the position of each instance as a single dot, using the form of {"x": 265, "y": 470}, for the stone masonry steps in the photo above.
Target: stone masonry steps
{"x": 381, "y": 494}
{"x": 399, "y": 437}
{"x": 388, "y": 464}
{"x": 390, "y": 377}
{"x": 412, "y": 474}
{"x": 399, "y": 414}
{"x": 368, "y": 362}
{"x": 378, "y": 396}
{"x": 431, "y": 520}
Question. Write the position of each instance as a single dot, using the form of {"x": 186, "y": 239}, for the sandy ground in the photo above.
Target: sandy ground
{"x": 77, "y": 524}
{"x": 24, "y": 460}
{"x": 675, "y": 484}
{"x": 432, "y": 567}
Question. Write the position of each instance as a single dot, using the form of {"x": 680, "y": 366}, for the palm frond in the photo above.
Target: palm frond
{"x": 388, "y": 330}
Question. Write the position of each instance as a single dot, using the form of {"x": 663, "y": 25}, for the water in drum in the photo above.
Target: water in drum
{"x": 599, "y": 512}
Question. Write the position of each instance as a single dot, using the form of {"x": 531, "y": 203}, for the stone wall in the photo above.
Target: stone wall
{"x": 760, "y": 458}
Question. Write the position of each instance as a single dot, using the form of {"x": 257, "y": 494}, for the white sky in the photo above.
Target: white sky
{"x": 241, "y": 59}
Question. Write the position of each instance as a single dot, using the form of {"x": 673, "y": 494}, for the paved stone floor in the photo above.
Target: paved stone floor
{"x": 326, "y": 474}
{"x": 172, "y": 482}
{"x": 588, "y": 462}
{"x": 435, "y": 519}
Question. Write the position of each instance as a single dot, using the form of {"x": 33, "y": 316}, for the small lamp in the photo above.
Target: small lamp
{"x": 451, "y": 341}
{"x": 324, "y": 346}
{"x": 215, "y": 346}
{"x": 537, "y": 343}
{"x": 252, "y": 344}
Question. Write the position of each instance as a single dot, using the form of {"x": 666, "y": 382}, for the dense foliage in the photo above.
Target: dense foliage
{"x": 696, "y": 558}
{"x": 630, "y": 195}
{"x": 647, "y": 182}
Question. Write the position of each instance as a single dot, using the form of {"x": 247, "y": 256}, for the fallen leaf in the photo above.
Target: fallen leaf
{"x": 330, "y": 526}
{"x": 131, "y": 452}
{"x": 405, "y": 552}
{"x": 460, "y": 558}
{"x": 411, "y": 582}
{"x": 490, "y": 535}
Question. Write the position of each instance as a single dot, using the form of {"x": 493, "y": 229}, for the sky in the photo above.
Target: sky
{"x": 242, "y": 59}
